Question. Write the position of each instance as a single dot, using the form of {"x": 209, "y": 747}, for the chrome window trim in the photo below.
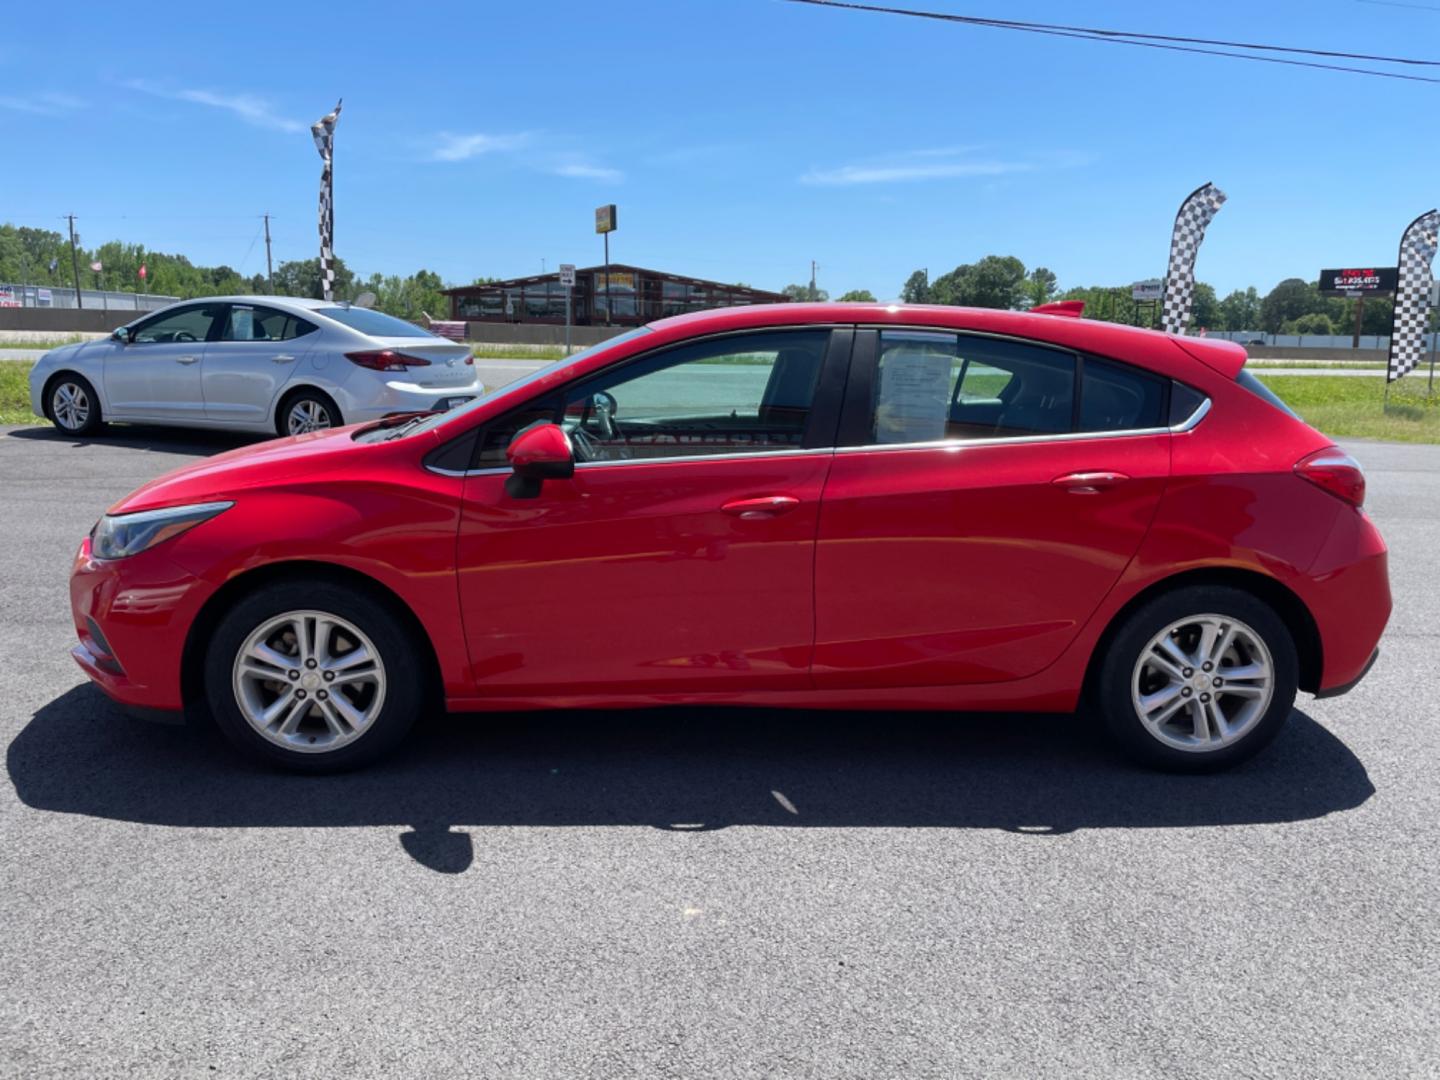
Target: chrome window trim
{"x": 1189, "y": 424}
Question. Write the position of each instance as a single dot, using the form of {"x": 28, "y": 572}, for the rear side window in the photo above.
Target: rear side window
{"x": 1118, "y": 398}
{"x": 934, "y": 386}
{"x": 246, "y": 323}
{"x": 1260, "y": 390}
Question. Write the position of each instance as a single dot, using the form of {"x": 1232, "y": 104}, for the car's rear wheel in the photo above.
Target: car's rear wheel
{"x": 315, "y": 678}
{"x": 307, "y": 410}
{"x": 72, "y": 405}
{"x": 1198, "y": 679}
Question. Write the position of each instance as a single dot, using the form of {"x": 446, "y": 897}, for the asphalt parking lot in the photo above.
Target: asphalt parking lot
{"x": 707, "y": 892}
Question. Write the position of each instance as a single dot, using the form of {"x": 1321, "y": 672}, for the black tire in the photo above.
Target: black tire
{"x": 402, "y": 660}
{"x": 82, "y": 393}
{"x": 1111, "y": 690}
{"x": 306, "y": 397}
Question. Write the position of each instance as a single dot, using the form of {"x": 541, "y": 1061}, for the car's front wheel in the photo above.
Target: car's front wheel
{"x": 1198, "y": 679}
{"x": 72, "y": 405}
{"x": 315, "y": 678}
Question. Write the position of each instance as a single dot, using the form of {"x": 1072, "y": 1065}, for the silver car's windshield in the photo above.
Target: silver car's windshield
{"x": 445, "y": 417}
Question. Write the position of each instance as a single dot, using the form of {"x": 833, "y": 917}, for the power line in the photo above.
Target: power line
{"x": 1151, "y": 41}
{"x": 1396, "y": 3}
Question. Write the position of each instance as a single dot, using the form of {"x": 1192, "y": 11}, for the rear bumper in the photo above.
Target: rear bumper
{"x": 1348, "y": 593}
{"x": 1345, "y": 688}
{"x": 374, "y": 402}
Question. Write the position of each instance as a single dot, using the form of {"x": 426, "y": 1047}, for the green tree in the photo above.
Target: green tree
{"x": 805, "y": 293}
{"x": 996, "y": 281}
{"x": 302, "y": 278}
{"x": 1205, "y": 308}
{"x": 1317, "y": 322}
{"x": 916, "y": 289}
{"x": 859, "y": 296}
{"x": 1040, "y": 287}
{"x": 1240, "y": 310}
{"x": 1287, "y": 302}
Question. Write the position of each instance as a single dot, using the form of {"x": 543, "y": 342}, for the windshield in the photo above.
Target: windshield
{"x": 445, "y": 417}
{"x": 374, "y": 323}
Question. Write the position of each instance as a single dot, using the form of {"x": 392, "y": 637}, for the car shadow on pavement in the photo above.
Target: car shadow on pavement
{"x": 163, "y": 440}
{"x": 679, "y": 769}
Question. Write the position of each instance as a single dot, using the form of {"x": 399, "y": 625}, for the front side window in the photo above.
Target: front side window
{"x": 746, "y": 393}
{"x": 246, "y": 323}
{"x": 186, "y": 325}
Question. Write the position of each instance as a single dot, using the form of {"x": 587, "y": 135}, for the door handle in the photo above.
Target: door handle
{"x": 766, "y": 506}
{"x": 1089, "y": 483}
{"x": 186, "y": 359}
{"x": 283, "y": 358}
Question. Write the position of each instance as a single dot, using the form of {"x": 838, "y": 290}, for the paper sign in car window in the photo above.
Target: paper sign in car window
{"x": 914, "y": 399}
{"x": 242, "y": 324}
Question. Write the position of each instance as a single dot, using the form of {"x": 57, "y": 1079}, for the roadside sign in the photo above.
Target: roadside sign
{"x": 1359, "y": 281}
{"x": 567, "y": 274}
{"x": 1435, "y": 294}
{"x": 1149, "y": 289}
{"x": 7, "y": 297}
{"x": 606, "y": 219}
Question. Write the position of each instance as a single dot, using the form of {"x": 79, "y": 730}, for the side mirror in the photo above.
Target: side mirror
{"x": 122, "y": 335}
{"x": 538, "y": 453}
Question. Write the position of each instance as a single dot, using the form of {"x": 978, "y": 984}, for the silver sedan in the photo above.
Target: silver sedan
{"x": 252, "y": 363}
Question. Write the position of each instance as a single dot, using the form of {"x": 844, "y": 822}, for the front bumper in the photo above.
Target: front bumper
{"x": 132, "y": 617}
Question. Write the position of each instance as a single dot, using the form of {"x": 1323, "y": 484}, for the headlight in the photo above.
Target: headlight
{"x": 116, "y": 536}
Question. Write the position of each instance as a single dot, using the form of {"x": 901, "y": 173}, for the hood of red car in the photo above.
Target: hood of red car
{"x": 248, "y": 467}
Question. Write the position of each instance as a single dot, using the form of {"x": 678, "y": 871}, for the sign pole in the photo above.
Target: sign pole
{"x": 567, "y": 278}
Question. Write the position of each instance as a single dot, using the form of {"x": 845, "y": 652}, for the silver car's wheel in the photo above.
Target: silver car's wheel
{"x": 309, "y": 681}
{"x": 1203, "y": 683}
{"x": 308, "y": 414}
{"x": 70, "y": 405}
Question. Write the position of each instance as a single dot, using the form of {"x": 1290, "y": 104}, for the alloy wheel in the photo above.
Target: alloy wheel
{"x": 70, "y": 405}
{"x": 309, "y": 681}
{"x": 307, "y": 414}
{"x": 1203, "y": 683}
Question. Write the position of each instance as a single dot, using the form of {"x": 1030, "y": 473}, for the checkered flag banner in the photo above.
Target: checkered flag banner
{"x": 1195, "y": 215}
{"x": 323, "y": 131}
{"x": 1412, "y": 295}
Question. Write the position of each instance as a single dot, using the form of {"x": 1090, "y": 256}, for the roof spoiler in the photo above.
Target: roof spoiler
{"x": 1071, "y": 309}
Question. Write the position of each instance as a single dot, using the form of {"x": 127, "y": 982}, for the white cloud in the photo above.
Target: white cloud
{"x": 42, "y": 104}
{"x": 913, "y": 165}
{"x": 464, "y": 147}
{"x": 249, "y": 108}
{"x": 584, "y": 171}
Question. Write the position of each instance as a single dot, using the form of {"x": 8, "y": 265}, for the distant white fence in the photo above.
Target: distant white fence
{"x": 60, "y": 296}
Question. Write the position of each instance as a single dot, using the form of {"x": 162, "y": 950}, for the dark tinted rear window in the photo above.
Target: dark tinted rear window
{"x": 374, "y": 323}
{"x": 1118, "y": 398}
{"x": 1260, "y": 390}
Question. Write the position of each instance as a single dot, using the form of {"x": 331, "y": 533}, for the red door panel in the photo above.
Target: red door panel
{"x": 644, "y": 577}
{"x": 971, "y": 564}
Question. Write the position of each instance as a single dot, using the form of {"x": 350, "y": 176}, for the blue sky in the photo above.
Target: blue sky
{"x": 740, "y": 138}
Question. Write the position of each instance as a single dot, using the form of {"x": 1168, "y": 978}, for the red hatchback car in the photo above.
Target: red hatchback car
{"x": 827, "y": 506}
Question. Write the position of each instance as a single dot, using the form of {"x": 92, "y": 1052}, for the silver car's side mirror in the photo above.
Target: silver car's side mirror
{"x": 122, "y": 335}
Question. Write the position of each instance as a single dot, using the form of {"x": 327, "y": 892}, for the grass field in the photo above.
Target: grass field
{"x": 15, "y": 393}
{"x": 1340, "y": 406}
{"x": 25, "y": 343}
{"x": 1353, "y": 408}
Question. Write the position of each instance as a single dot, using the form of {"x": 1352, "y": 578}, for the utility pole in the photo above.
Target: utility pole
{"x": 269, "y": 266}
{"x": 813, "y": 268}
{"x": 75, "y": 262}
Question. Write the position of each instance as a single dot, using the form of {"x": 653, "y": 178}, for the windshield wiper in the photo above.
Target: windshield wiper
{"x": 408, "y": 425}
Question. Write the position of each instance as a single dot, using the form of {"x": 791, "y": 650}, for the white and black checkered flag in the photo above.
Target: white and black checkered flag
{"x": 323, "y": 131}
{"x": 1412, "y": 295}
{"x": 1195, "y": 215}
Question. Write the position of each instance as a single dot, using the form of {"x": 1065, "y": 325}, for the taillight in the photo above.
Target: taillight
{"x": 386, "y": 360}
{"x": 470, "y": 360}
{"x": 1335, "y": 471}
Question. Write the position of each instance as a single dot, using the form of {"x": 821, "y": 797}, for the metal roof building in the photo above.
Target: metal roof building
{"x": 631, "y": 296}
